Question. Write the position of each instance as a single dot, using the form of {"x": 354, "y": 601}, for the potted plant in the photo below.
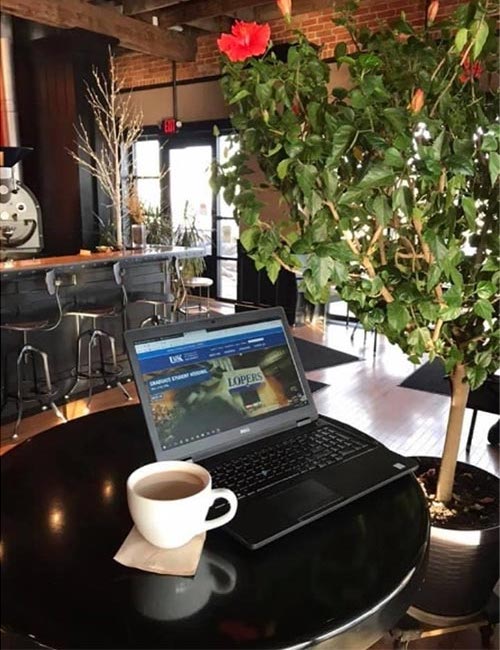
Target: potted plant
{"x": 187, "y": 234}
{"x": 389, "y": 188}
{"x": 159, "y": 226}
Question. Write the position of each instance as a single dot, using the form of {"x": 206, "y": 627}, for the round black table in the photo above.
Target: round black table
{"x": 350, "y": 575}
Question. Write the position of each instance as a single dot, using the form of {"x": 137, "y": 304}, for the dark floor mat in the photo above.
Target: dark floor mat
{"x": 316, "y": 356}
{"x": 431, "y": 379}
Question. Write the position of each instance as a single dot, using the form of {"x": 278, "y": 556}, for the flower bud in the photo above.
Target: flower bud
{"x": 432, "y": 11}
{"x": 417, "y": 101}
{"x": 285, "y": 6}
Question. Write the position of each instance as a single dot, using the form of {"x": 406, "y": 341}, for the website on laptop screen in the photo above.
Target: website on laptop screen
{"x": 202, "y": 383}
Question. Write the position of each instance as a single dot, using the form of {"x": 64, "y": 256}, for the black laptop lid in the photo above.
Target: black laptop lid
{"x": 214, "y": 384}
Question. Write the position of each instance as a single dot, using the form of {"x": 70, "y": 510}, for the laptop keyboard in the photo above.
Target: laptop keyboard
{"x": 269, "y": 465}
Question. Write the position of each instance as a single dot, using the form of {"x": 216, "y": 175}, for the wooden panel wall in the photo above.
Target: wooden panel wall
{"x": 51, "y": 73}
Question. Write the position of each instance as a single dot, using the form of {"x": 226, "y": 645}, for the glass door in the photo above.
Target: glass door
{"x": 191, "y": 197}
{"x": 227, "y": 234}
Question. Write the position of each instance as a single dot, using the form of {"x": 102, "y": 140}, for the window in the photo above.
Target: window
{"x": 148, "y": 172}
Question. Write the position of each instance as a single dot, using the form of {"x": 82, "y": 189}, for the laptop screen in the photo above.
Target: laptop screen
{"x": 203, "y": 382}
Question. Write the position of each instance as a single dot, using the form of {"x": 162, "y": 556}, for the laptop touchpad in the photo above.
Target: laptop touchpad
{"x": 304, "y": 499}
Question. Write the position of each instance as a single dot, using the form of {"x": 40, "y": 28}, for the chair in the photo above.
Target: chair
{"x": 202, "y": 285}
{"x": 105, "y": 370}
{"x": 43, "y": 390}
{"x": 168, "y": 299}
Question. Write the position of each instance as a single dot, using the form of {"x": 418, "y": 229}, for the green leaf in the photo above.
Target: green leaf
{"x": 293, "y": 149}
{"x": 489, "y": 142}
{"x": 330, "y": 182}
{"x": 341, "y": 140}
{"x": 450, "y": 313}
{"x": 239, "y": 96}
{"x": 429, "y": 310}
{"x": 249, "y": 238}
{"x": 483, "y": 309}
{"x": 485, "y": 289}
{"x": 402, "y": 199}
{"x": 461, "y": 39}
{"x": 397, "y": 119}
{"x": 469, "y": 207}
{"x": 483, "y": 359}
{"x": 376, "y": 176}
{"x": 382, "y": 209}
{"x": 454, "y": 356}
{"x": 480, "y": 39}
{"x": 433, "y": 277}
{"x": 419, "y": 340}
{"x": 264, "y": 91}
{"x": 476, "y": 376}
{"x": 277, "y": 147}
{"x": 494, "y": 166}
{"x": 398, "y": 316}
{"x": 340, "y": 50}
{"x": 273, "y": 268}
{"x": 339, "y": 273}
{"x": 282, "y": 168}
{"x": 393, "y": 158}
{"x": 321, "y": 267}
{"x": 306, "y": 178}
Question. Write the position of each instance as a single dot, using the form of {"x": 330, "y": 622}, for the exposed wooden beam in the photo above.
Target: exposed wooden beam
{"x": 216, "y": 25}
{"x": 131, "y": 33}
{"x": 271, "y": 12}
{"x": 132, "y": 7}
{"x": 185, "y": 12}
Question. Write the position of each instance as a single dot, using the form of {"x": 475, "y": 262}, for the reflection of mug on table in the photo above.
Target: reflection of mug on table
{"x": 170, "y": 598}
{"x": 169, "y": 502}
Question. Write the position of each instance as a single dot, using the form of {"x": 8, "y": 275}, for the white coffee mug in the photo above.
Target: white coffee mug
{"x": 169, "y": 502}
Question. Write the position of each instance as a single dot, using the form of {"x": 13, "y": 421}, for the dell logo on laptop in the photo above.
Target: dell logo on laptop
{"x": 245, "y": 430}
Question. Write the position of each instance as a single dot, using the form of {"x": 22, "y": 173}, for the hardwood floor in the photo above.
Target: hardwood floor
{"x": 365, "y": 394}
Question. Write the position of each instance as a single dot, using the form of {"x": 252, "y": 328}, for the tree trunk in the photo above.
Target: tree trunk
{"x": 117, "y": 221}
{"x": 458, "y": 402}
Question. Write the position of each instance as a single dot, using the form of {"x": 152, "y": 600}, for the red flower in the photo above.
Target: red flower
{"x": 471, "y": 71}
{"x": 246, "y": 39}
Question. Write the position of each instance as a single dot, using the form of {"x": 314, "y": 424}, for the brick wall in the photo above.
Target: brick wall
{"x": 140, "y": 70}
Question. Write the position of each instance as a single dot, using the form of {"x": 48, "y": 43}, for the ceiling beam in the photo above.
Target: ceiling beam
{"x": 271, "y": 12}
{"x": 185, "y": 12}
{"x": 131, "y": 33}
{"x": 216, "y": 25}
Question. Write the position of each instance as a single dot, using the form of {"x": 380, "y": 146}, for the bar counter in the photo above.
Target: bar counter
{"x": 73, "y": 263}
{"x": 84, "y": 279}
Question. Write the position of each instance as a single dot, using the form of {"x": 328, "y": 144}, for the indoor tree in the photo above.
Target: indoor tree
{"x": 118, "y": 124}
{"x": 389, "y": 185}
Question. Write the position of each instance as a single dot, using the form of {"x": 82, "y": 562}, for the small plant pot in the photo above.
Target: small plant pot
{"x": 463, "y": 565}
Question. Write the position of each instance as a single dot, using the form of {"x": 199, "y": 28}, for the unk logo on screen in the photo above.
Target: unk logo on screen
{"x": 176, "y": 358}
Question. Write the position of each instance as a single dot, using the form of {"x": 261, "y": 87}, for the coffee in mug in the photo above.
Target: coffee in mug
{"x": 169, "y": 486}
{"x": 169, "y": 502}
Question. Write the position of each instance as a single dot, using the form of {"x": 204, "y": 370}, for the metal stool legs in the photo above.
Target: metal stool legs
{"x": 22, "y": 358}
{"x": 103, "y": 372}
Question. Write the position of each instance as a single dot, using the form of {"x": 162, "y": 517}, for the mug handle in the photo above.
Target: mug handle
{"x": 231, "y": 498}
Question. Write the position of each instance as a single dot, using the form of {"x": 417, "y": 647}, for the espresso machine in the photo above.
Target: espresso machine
{"x": 20, "y": 215}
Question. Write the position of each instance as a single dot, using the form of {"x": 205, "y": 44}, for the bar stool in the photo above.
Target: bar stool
{"x": 203, "y": 286}
{"x": 168, "y": 299}
{"x": 43, "y": 390}
{"x": 105, "y": 370}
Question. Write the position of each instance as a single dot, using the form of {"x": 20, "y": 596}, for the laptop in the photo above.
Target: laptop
{"x": 230, "y": 393}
